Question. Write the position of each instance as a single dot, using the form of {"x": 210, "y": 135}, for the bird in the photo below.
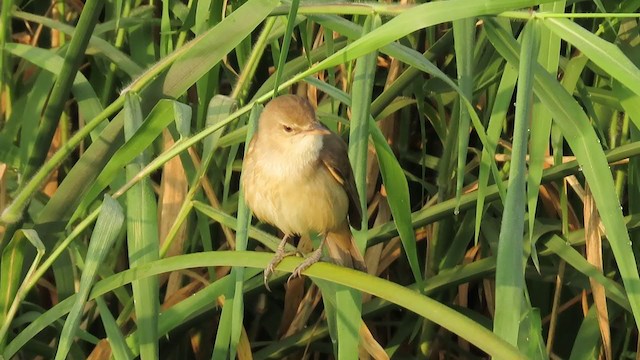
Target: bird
{"x": 297, "y": 177}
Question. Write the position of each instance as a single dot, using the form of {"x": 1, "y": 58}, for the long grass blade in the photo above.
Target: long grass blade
{"x": 509, "y": 275}
{"x": 242, "y": 237}
{"x": 464, "y": 34}
{"x": 143, "y": 240}
{"x": 548, "y": 58}
{"x": 107, "y": 229}
{"x": 117, "y": 342}
{"x": 61, "y": 89}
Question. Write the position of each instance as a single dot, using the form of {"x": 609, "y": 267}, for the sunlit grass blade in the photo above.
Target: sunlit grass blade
{"x": 393, "y": 178}
{"x": 104, "y": 235}
{"x": 463, "y": 34}
{"x": 242, "y": 237}
{"x": 142, "y": 237}
{"x": 222, "y": 345}
{"x": 509, "y": 271}
{"x": 409, "y": 299}
{"x": 548, "y": 58}
{"x": 348, "y": 302}
{"x": 286, "y": 41}
{"x": 364, "y": 75}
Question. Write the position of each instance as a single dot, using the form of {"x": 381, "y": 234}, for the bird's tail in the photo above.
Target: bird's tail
{"x": 343, "y": 249}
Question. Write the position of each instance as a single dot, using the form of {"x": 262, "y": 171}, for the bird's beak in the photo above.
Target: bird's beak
{"x": 318, "y": 129}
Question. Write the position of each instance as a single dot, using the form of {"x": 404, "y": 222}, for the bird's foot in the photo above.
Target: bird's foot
{"x": 277, "y": 258}
{"x": 312, "y": 259}
{"x": 272, "y": 266}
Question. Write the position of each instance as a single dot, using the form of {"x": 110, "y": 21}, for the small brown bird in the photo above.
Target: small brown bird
{"x": 297, "y": 177}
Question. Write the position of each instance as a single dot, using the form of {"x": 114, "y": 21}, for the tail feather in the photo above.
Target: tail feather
{"x": 343, "y": 249}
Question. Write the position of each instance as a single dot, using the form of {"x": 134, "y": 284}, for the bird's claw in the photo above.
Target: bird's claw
{"x": 312, "y": 259}
{"x": 295, "y": 274}
{"x": 267, "y": 274}
{"x": 270, "y": 269}
{"x": 279, "y": 255}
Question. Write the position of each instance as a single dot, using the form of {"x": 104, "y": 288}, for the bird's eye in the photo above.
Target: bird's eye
{"x": 287, "y": 129}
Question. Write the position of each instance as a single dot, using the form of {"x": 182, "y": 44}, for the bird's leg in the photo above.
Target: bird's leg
{"x": 312, "y": 259}
{"x": 277, "y": 258}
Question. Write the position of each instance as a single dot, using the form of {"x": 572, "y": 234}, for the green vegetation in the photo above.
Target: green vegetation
{"x": 495, "y": 143}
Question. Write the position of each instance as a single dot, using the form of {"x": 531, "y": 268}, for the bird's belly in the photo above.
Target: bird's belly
{"x": 301, "y": 204}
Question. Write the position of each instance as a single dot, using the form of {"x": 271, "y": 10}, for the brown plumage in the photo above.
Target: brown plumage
{"x": 297, "y": 177}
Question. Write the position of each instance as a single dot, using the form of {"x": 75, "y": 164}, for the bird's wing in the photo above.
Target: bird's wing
{"x": 335, "y": 158}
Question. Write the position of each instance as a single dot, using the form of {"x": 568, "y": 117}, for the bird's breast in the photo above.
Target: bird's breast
{"x": 297, "y": 197}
